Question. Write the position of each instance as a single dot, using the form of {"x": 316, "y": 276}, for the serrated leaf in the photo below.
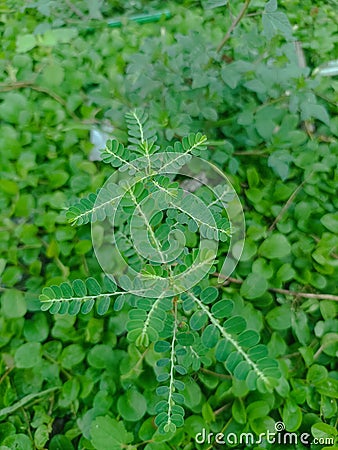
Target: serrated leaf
{"x": 276, "y": 23}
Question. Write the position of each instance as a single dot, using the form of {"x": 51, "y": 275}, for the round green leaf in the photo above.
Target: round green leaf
{"x": 36, "y": 328}
{"x": 60, "y": 442}
{"x": 132, "y": 405}
{"x": 18, "y": 441}
{"x": 330, "y": 221}
{"x": 28, "y": 355}
{"x": 109, "y": 434}
{"x": 72, "y": 355}
{"x": 279, "y": 318}
{"x": 13, "y": 304}
{"x": 254, "y": 286}
{"x": 275, "y": 247}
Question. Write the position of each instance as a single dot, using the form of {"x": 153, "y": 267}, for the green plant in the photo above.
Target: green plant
{"x": 272, "y": 128}
{"x": 164, "y": 267}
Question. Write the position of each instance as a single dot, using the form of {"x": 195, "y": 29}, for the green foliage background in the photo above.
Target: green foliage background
{"x": 69, "y": 382}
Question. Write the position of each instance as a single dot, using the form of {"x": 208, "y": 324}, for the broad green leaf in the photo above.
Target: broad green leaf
{"x": 13, "y": 304}
{"x": 323, "y": 430}
{"x": 330, "y": 221}
{"x": 238, "y": 411}
{"x": 292, "y": 415}
{"x": 316, "y": 374}
{"x": 275, "y": 247}
{"x": 28, "y": 355}
{"x": 232, "y": 361}
{"x": 72, "y": 355}
{"x": 309, "y": 110}
{"x": 211, "y": 4}
{"x": 59, "y": 441}
{"x": 257, "y": 409}
{"x": 17, "y": 441}
{"x": 109, "y": 434}
{"x": 276, "y": 23}
{"x": 328, "y": 387}
{"x": 254, "y": 286}
{"x": 162, "y": 346}
{"x": 25, "y": 42}
{"x": 279, "y": 318}
{"x": 132, "y": 405}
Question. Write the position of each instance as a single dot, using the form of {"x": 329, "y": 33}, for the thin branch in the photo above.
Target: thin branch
{"x": 233, "y": 25}
{"x": 29, "y": 85}
{"x": 305, "y": 294}
{"x": 24, "y": 400}
{"x": 223, "y": 376}
{"x": 283, "y": 291}
{"x": 222, "y": 408}
{"x": 287, "y": 204}
{"x": 76, "y": 10}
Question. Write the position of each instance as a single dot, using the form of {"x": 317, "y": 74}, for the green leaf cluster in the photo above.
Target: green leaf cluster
{"x": 89, "y": 380}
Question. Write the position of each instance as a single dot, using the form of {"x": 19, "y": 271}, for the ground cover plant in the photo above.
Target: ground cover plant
{"x": 246, "y": 75}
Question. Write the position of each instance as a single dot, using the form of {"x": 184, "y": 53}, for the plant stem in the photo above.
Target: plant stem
{"x": 28, "y": 84}
{"x": 287, "y": 204}
{"x": 25, "y": 400}
{"x": 283, "y": 291}
{"x": 233, "y": 25}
